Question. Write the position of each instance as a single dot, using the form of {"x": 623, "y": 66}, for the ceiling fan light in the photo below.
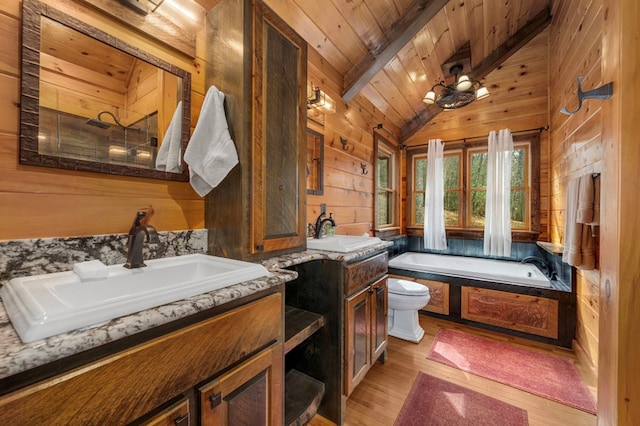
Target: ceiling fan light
{"x": 482, "y": 93}
{"x": 464, "y": 83}
{"x": 429, "y": 98}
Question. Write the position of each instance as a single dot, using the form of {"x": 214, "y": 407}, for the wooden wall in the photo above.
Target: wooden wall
{"x": 40, "y": 202}
{"x": 518, "y": 101}
{"x": 348, "y": 193}
{"x": 576, "y": 140}
{"x": 618, "y": 366}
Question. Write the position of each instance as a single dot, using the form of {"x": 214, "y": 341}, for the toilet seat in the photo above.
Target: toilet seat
{"x": 406, "y": 288}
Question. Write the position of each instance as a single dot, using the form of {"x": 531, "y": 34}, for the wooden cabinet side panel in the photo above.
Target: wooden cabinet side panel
{"x": 126, "y": 385}
{"x": 439, "y": 296}
{"x": 528, "y": 314}
{"x": 438, "y": 292}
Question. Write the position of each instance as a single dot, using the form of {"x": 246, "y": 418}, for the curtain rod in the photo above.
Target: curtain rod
{"x": 539, "y": 129}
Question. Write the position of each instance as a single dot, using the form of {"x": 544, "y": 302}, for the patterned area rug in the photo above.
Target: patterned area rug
{"x": 545, "y": 375}
{"x": 436, "y": 402}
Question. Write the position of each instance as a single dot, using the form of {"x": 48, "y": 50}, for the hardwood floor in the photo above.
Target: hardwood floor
{"x": 379, "y": 398}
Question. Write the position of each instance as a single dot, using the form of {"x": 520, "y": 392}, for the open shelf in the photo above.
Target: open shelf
{"x": 299, "y": 324}
{"x": 303, "y": 395}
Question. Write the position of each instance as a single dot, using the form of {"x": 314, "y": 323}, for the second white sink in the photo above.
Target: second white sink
{"x": 342, "y": 243}
{"x": 44, "y": 305}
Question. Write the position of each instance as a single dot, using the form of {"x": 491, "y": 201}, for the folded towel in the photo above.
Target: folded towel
{"x": 92, "y": 269}
{"x": 584, "y": 213}
{"x": 210, "y": 153}
{"x": 595, "y": 220}
{"x": 168, "y": 158}
{"x": 578, "y": 241}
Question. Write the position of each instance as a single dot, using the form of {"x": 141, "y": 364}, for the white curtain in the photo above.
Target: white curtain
{"x": 497, "y": 225}
{"x": 434, "y": 233}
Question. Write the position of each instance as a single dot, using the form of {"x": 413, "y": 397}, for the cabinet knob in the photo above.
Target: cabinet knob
{"x": 215, "y": 399}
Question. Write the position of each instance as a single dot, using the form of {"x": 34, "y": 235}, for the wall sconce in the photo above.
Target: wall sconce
{"x": 316, "y": 98}
{"x": 193, "y": 13}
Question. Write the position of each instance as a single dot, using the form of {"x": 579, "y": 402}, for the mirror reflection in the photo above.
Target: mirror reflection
{"x": 315, "y": 162}
{"x": 100, "y": 108}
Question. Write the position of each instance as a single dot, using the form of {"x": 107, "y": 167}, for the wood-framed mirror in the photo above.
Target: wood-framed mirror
{"x": 92, "y": 102}
{"x": 315, "y": 162}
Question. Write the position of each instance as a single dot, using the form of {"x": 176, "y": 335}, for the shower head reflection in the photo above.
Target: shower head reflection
{"x": 98, "y": 122}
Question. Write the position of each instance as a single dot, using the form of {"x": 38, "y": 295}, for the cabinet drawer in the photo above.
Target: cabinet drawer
{"x": 362, "y": 273}
{"x": 128, "y": 384}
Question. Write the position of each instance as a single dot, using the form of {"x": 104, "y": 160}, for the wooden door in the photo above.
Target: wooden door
{"x": 279, "y": 135}
{"x": 378, "y": 318}
{"x": 358, "y": 338}
{"x": 250, "y": 394}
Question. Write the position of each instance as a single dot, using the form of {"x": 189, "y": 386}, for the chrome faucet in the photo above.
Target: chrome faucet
{"x": 138, "y": 231}
{"x": 320, "y": 221}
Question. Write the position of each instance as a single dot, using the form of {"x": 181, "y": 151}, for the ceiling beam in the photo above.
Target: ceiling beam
{"x": 525, "y": 34}
{"x": 402, "y": 32}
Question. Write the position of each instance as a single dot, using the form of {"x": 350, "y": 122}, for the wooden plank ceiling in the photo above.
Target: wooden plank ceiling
{"x": 392, "y": 51}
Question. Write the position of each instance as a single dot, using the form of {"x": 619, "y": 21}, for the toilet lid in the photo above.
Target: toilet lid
{"x": 405, "y": 287}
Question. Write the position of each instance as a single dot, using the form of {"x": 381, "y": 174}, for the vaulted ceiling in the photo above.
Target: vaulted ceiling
{"x": 392, "y": 51}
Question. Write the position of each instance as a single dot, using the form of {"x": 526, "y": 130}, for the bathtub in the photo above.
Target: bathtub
{"x": 498, "y": 271}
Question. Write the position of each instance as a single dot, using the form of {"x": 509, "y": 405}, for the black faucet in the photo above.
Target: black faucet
{"x": 320, "y": 221}
{"x": 541, "y": 263}
{"x": 138, "y": 231}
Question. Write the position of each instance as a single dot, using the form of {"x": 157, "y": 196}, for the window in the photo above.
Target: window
{"x": 387, "y": 206}
{"x": 465, "y": 177}
{"x": 452, "y": 188}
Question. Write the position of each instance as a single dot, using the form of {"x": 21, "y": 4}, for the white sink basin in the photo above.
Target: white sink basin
{"x": 44, "y": 305}
{"x": 342, "y": 243}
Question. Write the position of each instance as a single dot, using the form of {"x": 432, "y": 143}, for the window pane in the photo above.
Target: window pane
{"x": 452, "y": 172}
{"x": 518, "y": 209}
{"x": 383, "y": 172}
{"x": 384, "y": 208}
{"x": 419, "y": 209}
{"x": 421, "y": 174}
{"x": 478, "y": 201}
{"x": 518, "y": 164}
{"x": 479, "y": 170}
{"x": 451, "y": 212}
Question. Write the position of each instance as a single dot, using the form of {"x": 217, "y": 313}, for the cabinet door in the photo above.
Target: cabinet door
{"x": 250, "y": 394}
{"x": 279, "y": 135}
{"x": 358, "y": 338}
{"x": 378, "y": 319}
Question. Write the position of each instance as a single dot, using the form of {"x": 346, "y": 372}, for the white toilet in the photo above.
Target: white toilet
{"x": 405, "y": 299}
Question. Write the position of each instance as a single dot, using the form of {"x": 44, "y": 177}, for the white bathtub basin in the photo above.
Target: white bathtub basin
{"x": 44, "y": 305}
{"x": 342, "y": 243}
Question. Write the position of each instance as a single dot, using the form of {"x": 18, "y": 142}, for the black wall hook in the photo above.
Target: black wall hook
{"x": 363, "y": 166}
{"x": 345, "y": 143}
{"x": 603, "y": 92}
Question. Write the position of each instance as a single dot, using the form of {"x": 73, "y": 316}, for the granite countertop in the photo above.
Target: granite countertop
{"x": 17, "y": 357}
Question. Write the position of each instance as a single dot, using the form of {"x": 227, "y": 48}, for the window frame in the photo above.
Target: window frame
{"x": 383, "y": 146}
{"x": 531, "y": 141}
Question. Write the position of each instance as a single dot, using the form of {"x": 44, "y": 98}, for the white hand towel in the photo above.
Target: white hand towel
{"x": 211, "y": 153}
{"x": 170, "y": 151}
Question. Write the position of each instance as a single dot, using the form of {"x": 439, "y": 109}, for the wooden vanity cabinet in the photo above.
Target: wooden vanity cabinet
{"x": 365, "y": 318}
{"x": 260, "y": 64}
{"x": 238, "y": 349}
